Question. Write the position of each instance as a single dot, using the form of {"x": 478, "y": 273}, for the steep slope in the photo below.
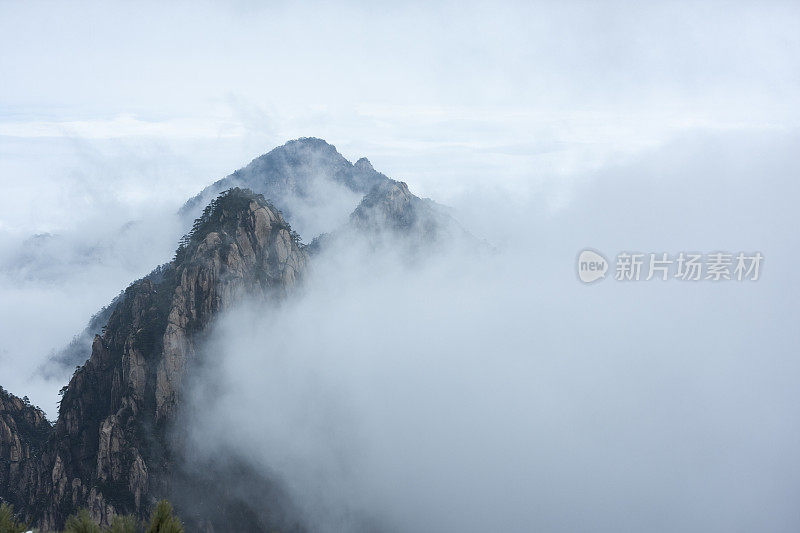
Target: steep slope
{"x": 390, "y": 214}
{"x": 23, "y": 434}
{"x": 303, "y": 174}
{"x": 75, "y": 353}
{"x": 318, "y": 191}
{"x": 110, "y": 449}
{"x": 390, "y": 206}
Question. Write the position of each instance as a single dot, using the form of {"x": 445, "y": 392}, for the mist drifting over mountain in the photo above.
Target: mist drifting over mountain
{"x": 376, "y": 323}
{"x": 470, "y": 392}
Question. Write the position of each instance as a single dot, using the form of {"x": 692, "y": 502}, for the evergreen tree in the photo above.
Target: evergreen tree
{"x": 163, "y": 521}
{"x": 81, "y": 523}
{"x": 8, "y": 523}
{"x": 124, "y": 524}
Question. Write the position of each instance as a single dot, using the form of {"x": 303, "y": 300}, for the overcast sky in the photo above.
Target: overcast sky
{"x": 438, "y": 94}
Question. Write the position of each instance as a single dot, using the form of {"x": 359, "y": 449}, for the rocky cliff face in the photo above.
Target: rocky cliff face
{"x": 23, "y": 433}
{"x": 110, "y": 449}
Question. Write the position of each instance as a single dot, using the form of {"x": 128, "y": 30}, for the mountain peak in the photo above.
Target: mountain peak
{"x": 307, "y": 143}
{"x": 363, "y": 164}
{"x": 227, "y": 210}
{"x": 389, "y": 205}
{"x": 298, "y": 176}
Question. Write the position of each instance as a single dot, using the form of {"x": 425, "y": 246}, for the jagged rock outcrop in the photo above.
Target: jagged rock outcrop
{"x": 363, "y": 165}
{"x": 23, "y": 433}
{"x": 390, "y": 206}
{"x": 390, "y": 214}
{"x": 75, "y": 353}
{"x": 110, "y": 449}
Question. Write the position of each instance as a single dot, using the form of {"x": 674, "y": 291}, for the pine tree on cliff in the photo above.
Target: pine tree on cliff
{"x": 81, "y": 523}
{"x": 8, "y": 522}
{"x": 163, "y": 520}
{"x": 124, "y": 524}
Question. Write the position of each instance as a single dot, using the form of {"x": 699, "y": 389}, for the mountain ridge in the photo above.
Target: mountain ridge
{"x": 290, "y": 171}
{"x": 119, "y": 406}
{"x": 296, "y": 158}
{"x": 113, "y": 449}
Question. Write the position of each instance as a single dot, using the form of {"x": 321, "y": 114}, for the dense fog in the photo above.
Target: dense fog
{"x": 473, "y": 392}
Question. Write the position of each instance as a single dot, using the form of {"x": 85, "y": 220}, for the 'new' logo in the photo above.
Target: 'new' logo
{"x": 591, "y": 266}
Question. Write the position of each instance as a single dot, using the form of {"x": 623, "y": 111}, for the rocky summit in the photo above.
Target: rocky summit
{"x": 298, "y": 174}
